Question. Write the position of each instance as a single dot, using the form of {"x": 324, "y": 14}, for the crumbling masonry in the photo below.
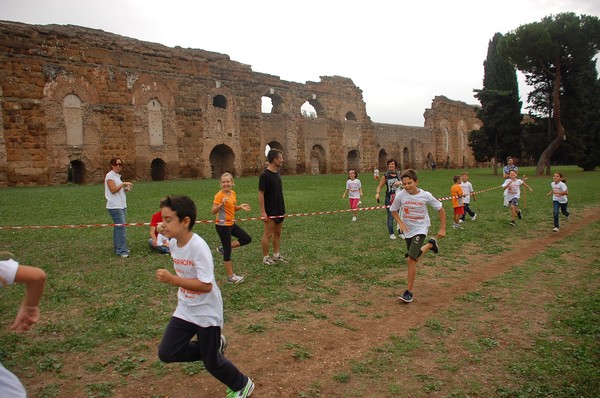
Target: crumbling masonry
{"x": 73, "y": 97}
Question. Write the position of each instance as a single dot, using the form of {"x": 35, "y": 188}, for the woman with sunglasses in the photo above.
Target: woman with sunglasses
{"x": 116, "y": 203}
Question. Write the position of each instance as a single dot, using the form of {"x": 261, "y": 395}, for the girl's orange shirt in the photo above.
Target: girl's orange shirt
{"x": 226, "y": 214}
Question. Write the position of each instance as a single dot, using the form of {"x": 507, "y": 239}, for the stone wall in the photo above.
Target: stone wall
{"x": 73, "y": 97}
{"x": 450, "y": 123}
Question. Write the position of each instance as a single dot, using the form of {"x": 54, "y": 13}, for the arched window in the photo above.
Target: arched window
{"x": 219, "y": 101}
{"x": 155, "y": 127}
{"x": 350, "y": 116}
{"x": 73, "y": 119}
{"x": 266, "y": 104}
{"x": 308, "y": 110}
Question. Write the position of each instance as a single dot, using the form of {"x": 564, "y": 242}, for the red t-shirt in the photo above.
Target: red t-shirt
{"x": 156, "y": 218}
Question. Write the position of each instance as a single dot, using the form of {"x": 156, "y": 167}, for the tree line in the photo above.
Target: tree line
{"x": 558, "y": 57}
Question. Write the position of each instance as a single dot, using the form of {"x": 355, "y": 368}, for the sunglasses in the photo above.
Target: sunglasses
{"x": 118, "y": 164}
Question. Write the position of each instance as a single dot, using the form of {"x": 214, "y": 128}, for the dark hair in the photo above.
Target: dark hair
{"x": 456, "y": 178}
{"x": 273, "y": 154}
{"x": 392, "y": 160}
{"x": 114, "y": 160}
{"x": 409, "y": 173}
{"x": 183, "y": 206}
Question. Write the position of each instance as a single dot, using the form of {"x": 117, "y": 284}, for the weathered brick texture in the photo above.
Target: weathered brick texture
{"x": 174, "y": 112}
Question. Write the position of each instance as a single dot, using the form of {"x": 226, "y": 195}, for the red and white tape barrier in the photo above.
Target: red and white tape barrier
{"x": 143, "y": 224}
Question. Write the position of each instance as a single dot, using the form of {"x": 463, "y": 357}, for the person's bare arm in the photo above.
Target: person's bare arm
{"x": 29, "y": 314}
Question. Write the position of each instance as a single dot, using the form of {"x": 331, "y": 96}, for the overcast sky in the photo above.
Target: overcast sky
{"x": 400, "y": 53}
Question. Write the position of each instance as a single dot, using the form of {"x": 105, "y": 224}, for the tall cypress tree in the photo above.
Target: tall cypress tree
{"x": 500, "y": 110}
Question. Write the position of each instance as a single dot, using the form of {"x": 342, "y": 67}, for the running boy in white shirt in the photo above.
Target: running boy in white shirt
{"x": 512, "y": 187}
{"x": 412, "y": 203}
{"x": 199, "y": 309}
{"x": 467, "y": 189}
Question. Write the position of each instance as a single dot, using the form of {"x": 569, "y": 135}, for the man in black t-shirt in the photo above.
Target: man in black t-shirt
{"x": 272, "y": 206}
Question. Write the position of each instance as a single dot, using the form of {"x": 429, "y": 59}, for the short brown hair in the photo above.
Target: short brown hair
{"x": 409, "y": 173}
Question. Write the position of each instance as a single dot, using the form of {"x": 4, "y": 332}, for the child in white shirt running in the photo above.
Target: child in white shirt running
{"x": 199, "y": 311}
{"x": 559, "y": 192}
{"x": 412, "y": 203}
{"x": 513, "y": 192}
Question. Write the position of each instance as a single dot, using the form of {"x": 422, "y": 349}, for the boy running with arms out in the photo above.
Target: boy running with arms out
{"x": 199, "y": 309}
{"x": 512, "y": 187}
{"x": 412, "y": 203}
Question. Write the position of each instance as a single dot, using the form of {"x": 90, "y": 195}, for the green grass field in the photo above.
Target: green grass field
{"x": 97, "y": 303}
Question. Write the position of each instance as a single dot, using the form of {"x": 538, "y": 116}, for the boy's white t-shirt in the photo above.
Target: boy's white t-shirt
{"x": 467, "y": 189}
{"x": 559, "y": 188}
{"x": 514, "y": 191}
{"x": 413, "y": 210}
{"x": 195, "y": 261}
{"x": 353, "y": 187}
{"x": 8, "y": 271}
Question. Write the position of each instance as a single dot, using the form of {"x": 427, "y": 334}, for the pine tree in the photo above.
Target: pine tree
{"x": 556, "y": 50}
{"x": 500, "y": 110}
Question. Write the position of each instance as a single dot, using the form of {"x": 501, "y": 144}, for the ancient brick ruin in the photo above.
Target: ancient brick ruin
{"x": 73, "y": 97}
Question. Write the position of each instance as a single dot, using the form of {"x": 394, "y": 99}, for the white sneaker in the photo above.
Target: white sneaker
{"x": 279, "y": 259}
{"x": 268, "y": 260}
{"x": 353, "y": 218}
{"x": 392, "y": 236}
{"x": 554, "y": 229}
{"x": 460, "y": 221}
{"x": 235, "y": 279}
{"x": 474, "y": 217}
{"x": 243, "y": 393}
{"x": 401, "y": 234}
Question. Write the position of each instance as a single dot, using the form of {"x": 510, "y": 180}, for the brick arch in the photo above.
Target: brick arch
{"x": 63, "y": 85}
{"x": 278, "y": 103}
{"x": 147, "y": 88}
{"x": 319, "y": 108}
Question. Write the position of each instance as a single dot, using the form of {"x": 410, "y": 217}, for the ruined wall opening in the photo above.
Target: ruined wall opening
{"x": 318, "y": 164}
{"x": 406, "y": 162}
{"x": 382, "y": 160}
{"x": 429, "y": 162}
{"x": 353, "y": 161}
{"x": 76, "y": 172}
{"x": 309, "y": 111}
{"x": 221, "y": 160}
{"x": 272, "y": 103}
{"x": 158, "y": 170}
{"x": 219, "y": 101}
{"x": 73, "y": 119}
{"x": 266, "y": 104}
{"x": 350, "y": 116}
